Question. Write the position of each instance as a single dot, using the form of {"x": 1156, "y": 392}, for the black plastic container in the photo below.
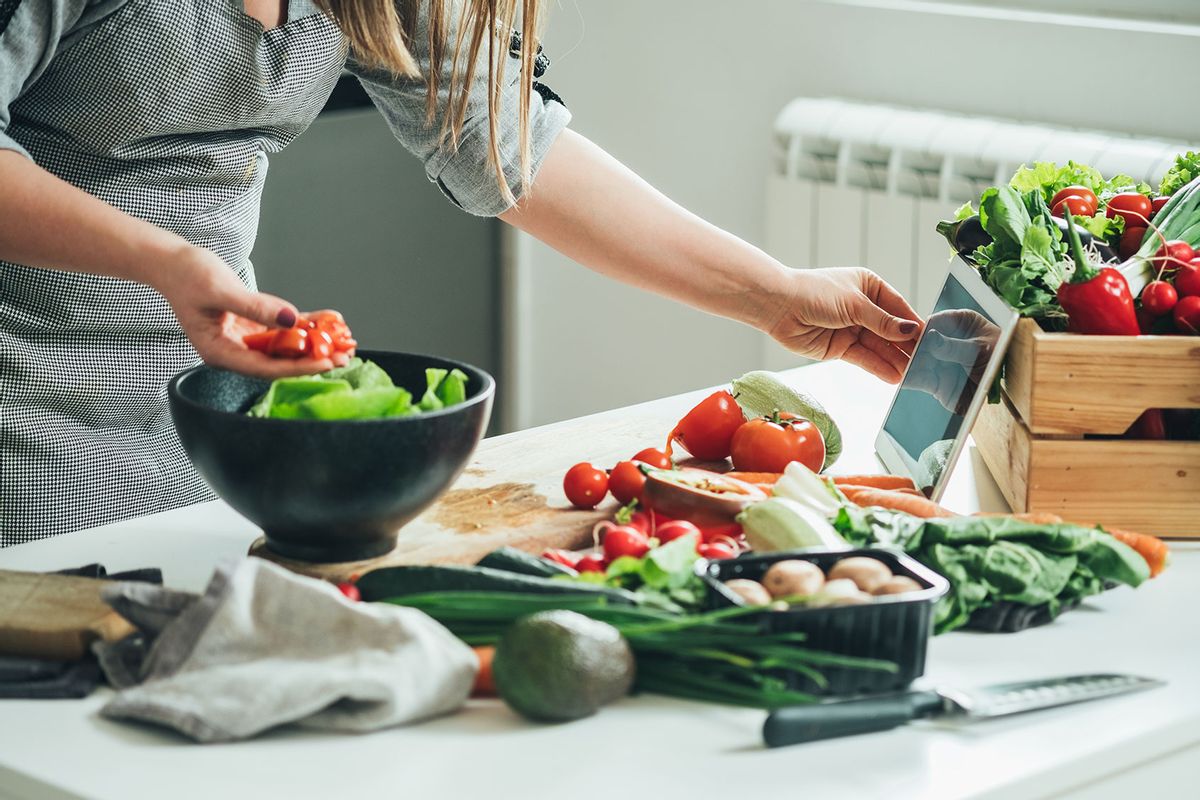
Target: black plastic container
{"x": 893, "y": 628}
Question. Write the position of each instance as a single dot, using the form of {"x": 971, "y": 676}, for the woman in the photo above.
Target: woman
{"x": 133, "y": 141}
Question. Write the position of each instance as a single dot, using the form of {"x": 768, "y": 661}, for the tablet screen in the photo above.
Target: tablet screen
{"x": 947, "y": 366}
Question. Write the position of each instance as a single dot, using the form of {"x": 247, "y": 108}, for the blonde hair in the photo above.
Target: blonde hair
{"x": 381, "y": 33}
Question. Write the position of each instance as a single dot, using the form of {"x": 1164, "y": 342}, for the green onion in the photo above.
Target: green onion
{"x": 707, "y": 657}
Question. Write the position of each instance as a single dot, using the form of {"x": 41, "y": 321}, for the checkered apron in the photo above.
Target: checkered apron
{"x": 166, "y": 110}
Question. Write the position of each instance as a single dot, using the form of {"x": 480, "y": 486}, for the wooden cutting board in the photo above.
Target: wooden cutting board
{"x": 54, "y": 616}
{"x": 511, "y": 493}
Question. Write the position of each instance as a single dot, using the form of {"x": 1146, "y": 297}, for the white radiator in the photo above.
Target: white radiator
{"x": 858, "y": 184}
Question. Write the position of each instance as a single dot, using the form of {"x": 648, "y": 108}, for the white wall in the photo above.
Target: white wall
{"x": 685, "y": 92}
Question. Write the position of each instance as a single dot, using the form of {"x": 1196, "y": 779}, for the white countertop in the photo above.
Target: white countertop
{"x": 650, "y": 746}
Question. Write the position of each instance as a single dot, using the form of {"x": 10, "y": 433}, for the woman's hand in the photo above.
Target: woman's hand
{"x": 216, "y": 310}
{"x": 847, "y": 313}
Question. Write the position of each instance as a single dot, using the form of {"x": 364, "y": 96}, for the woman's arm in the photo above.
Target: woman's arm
{"x": 590, "y": 207}
{"x": 48, "y": 223}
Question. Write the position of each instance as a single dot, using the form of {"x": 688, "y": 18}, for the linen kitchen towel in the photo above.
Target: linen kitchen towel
{"x": 264, "y": 647}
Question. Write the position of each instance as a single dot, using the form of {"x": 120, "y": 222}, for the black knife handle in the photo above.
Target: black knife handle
{"x": 798, "y": 724}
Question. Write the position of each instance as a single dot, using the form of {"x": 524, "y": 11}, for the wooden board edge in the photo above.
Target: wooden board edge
{"x": 1004, "y": 444}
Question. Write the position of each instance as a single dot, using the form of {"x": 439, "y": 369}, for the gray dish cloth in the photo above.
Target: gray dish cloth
{"x": 263, "y": 647}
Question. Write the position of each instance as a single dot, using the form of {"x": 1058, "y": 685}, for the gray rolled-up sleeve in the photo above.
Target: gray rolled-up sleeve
{"x": 27, "y": 46}
{"x": 465, "y": 174}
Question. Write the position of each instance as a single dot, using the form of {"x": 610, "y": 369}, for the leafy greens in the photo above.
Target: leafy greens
{"x": 359, "y": 390}
{"x": 988, "y": 560}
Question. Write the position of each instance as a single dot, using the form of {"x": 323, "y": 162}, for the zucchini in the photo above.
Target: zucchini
{"x": 510, "y": 559}
{"x": 761, "y": 394}
{"x": 388, "y": 582}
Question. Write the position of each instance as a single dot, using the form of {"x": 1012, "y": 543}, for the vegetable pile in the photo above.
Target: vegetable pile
{"x": 1128, "y": 233}
{"x": 359, "y": 390}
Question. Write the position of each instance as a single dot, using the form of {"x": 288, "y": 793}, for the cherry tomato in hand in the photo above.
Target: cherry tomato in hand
{"x": 1131, "y": 240}
{"x": 350, "y": 591}
{"x": 1077, "y": 205}
{"x": 260, "y": 341}
{"x": 1133, "y": 206}
{"x": 762, "y": 445}
{"x": 320, "y": 344}
{"x": 676, "y": 528}
{"x": 1159, "y": 297}
{"x": 289, "y": 343}
{"x": 626, "y": 482}
{"x": 715, "y": 550}
{"x": 625, "y": 540}
{"x": 655, "y": 458}
{"x": 592, "y": 562}
{"x": 1187, "y": 280}
{"x": 707, "y": 430}
{"x": 563, "y": 557}
{"x": 1082, "y": 192}
{"x": 1187, "y": 314}
{"x": 585, "y": 486}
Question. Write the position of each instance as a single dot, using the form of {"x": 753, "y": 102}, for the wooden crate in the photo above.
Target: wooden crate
{"x": 1059, "y": 387}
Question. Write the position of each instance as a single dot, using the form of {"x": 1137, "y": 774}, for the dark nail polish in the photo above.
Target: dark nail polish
{"x": 286, "y": 318}
{"x": 908, "y": 327}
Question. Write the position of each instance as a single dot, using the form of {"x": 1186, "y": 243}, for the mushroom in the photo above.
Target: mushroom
{"x": 840, "y": 592}
{"x": 752, "y": 593}
{"x": 793, "y": 578}
{"x": 867, "y": 573}
{"x": 897, "y": 584}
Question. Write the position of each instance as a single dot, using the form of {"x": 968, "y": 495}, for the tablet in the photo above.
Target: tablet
{"x": 953, "y": 366}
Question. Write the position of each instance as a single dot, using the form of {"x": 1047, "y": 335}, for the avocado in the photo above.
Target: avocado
{"x": 555, "y": 666}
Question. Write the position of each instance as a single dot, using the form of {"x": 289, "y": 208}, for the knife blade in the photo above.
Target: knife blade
{"x": 811, "y": 723}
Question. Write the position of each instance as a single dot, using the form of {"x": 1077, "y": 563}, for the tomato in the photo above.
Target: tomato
{"x": 320, "y": 344}
{"x": 718, "y": 532}
{"x": 1133, "y": 206}
{"x": 1077, "y": 205}
{"x": 289, "y": 343}
{"x": 1187, "y": 279}
{"x": 707, "y": 430}
{"x": 1082, "y": 192}
{"x": 1131, "y": 241}
{"x": 564, "y": 557}
{"x": 716, "y": 550}
{"x": 670, "y": 531}
{"x": 761, "y": 445}
{"x": 1187, "y": 314}
{"x": 592, "y": 562}
{"x": 1157, "y": 203}
{"x": 1172, "y": 255}
{"x": 350, "y": 591}
{"x": 1159, "y": 297}
{"x": 626, "y": 482}
{"x": 260, "y": 341}
{"x": 625, "y": 540}
{"x": 585, "y": 486}
{"x": 655, "y": 458}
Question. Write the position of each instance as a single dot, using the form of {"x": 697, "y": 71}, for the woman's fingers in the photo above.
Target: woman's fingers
{"x": 266, "y": 309}
{"x": 862, "y": 356}
{"x": 237, "y": 358}
{"x": 890, "y": 352}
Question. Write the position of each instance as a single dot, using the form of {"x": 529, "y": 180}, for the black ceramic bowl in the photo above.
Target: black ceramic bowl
{"x": 328, "y": 490}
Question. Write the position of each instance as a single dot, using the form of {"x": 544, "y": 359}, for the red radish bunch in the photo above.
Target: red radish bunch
{"x": 1175, "y": 292}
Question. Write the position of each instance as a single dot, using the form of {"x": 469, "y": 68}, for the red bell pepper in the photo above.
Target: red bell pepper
{"x": 1097, "y": 301}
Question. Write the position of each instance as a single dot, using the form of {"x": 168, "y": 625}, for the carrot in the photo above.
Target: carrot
{"x": 854, "y": 487}
{"x": 876, "y": 481}
{"x": 755, "y": 477}
{"x": 896, "y": 501}
{"x": 484, "y": 686}
{"x": 1151, "y": 548}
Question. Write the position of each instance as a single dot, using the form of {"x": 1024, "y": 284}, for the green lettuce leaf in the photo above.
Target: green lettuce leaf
{"x": 1185, "y": 170}
{"x": 433, "y": 378}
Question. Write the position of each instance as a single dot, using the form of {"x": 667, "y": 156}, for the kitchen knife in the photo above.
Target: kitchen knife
{"x": 811, "y": 723}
